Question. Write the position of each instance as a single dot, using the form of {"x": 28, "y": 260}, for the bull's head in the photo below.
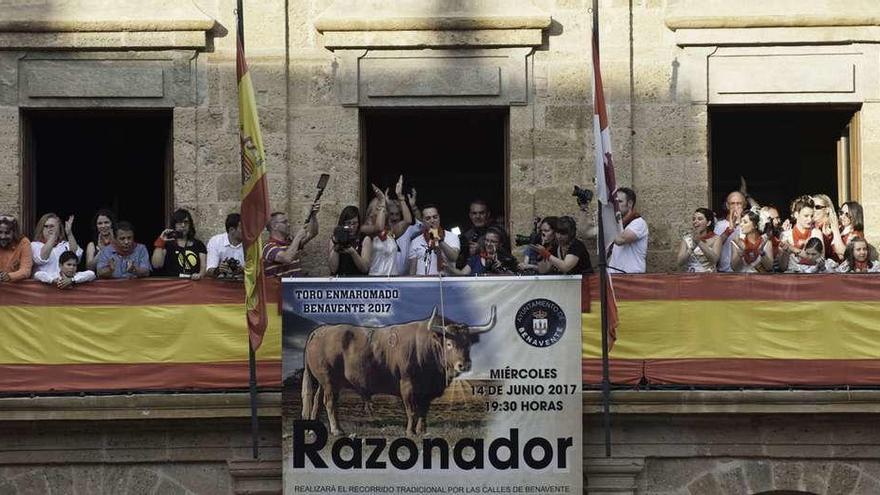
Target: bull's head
{"x": 456, "y": 340}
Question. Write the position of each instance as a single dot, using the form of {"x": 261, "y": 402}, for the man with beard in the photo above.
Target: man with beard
{"x": 15, "y": 252}
{"x": 124, "y": 258}
{"x": 630, "y": 246}
{"x": 430, "y": 252}
{"x": 282, "y": 255}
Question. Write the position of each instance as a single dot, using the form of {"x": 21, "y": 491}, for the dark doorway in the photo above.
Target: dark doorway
{"x": 782, "y": 152}
{"x": 80, "y": 162}
{"x": 449, "y": 156}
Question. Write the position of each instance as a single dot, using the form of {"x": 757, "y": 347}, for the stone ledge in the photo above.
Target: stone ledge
{"x": 406, "y": 15}
{"x": 701, "y": 14}
{"x": 104, "y": 40}
{"x": 103, "y": 15}
{"x": 433, "y": 39}
{"x": 736, "y": 402}
{"x": 141, "y": 406}
{"x": 777, "y": 36}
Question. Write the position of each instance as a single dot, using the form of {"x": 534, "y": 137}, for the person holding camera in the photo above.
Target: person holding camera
{"x": 350, "y": 251}
{"x": 123, "y": 258}
{"x": 225, "y": 251}
{"x": 491, "y": 257}
{"x": 570, "y": 256}
{"x": 543, "y": 237}
{"x": 435, "y": 248}
{"x": 177, "y": 252}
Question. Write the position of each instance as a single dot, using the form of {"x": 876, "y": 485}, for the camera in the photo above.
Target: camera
{"x": 173, "y": 234}
{"x": 533, "y": 238}
{"x": 343, "y": 237}
{"x": 233, "y": 264}
{"x": 584, "y": 196}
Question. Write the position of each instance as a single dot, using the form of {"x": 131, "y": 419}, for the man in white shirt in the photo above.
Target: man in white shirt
{"x": 630, "y": 246}
{"x": 430, "y": 252}
{"x": 225, "y": 252}
{"x": 728, "y": 228}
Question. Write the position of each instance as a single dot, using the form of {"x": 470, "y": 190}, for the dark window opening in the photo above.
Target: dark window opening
{"x": 78, "y": 162}
{"x": 449, "y": 156}
{"x": 783, "y": 152}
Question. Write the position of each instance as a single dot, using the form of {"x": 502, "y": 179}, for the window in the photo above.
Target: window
{"x": 783, "y": 152}
{"x": 76, "y": 162}
{"x": 450, "y": 156}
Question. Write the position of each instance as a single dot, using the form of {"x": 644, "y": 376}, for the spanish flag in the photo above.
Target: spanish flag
{"x": 254, "y": 199}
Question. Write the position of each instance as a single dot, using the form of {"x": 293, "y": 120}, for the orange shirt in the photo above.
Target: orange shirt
{"x": 16, "y": 260}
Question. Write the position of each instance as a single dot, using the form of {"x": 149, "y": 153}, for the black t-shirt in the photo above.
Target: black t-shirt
{"x": 183, "y": 259}
{"x": 577, "y": 248}
{"x": 347, "y": 266}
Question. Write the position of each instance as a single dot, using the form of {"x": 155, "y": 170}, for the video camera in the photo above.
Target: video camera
{"x": 343, "y": 237}
{"x": 584, "y": 196}
{"x": 533, "y": 238}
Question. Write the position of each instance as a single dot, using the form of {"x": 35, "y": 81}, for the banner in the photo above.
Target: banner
{"x": 131, "y": 335}
{"x": 741, "y": 330}
{"x": 470, "y": 385}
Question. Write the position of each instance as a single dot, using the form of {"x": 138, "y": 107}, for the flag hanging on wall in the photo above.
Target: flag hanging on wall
{"x": 254, "y": 199}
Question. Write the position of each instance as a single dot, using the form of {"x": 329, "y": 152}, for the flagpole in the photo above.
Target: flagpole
{"x": 252, "y": 356}
{"x": 603, "y": 296}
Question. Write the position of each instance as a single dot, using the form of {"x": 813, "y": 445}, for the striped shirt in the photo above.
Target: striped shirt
{"x": 273, "y": 268}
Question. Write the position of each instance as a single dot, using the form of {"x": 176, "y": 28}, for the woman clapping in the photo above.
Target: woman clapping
{"x": 700, "y": 249}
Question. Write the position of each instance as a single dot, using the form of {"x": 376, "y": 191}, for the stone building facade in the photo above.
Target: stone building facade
{"x": 319, "y": 64}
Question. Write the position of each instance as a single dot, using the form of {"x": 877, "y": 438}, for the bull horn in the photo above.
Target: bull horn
{"x": 431, "y": 318}
{"x": 488, "y": 326}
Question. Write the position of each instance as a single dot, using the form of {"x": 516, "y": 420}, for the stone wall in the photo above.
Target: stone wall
{"x": 655, "y": 59}
{"x": 734, "y": 442}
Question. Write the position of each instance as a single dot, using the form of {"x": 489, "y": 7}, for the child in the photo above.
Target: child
{"x": 67, "y": 276}
{"x": 857, "y": 258}
{"x": 811, "y": 259}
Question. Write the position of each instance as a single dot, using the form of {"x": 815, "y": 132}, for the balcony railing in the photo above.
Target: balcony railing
{"x": 675, "y": 329}
{"x": 742, "y": 330}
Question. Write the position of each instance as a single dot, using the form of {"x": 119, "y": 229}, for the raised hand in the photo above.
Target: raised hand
{"x": 68, "y": 225}
{"x": 398, "y": 188}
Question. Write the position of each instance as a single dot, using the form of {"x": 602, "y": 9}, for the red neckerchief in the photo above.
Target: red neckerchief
{"x": 799, "y": 239}
{"x": 632, "y": 215}
{"x": 860, "y": 266}
{"x": 708, "y": 235}
{"x": 383, "y": 235}
{"x": 752, "y": 250}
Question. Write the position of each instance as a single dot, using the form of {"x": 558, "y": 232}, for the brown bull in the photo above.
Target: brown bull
{"x": 414, "y": 361}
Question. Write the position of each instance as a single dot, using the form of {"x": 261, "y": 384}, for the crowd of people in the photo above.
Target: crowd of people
{"x": 753, "y": 238}
{"x": 398, "y": 237}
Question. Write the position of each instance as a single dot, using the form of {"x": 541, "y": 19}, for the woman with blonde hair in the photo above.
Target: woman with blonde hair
{"x": 825, "y": 219}
{"x": 51, "y": 238}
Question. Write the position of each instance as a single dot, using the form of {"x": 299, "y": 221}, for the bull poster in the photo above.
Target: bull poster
{"x": 465, "y": 385}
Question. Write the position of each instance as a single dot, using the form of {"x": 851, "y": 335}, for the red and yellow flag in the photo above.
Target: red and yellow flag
{"x": 254, "y": 200}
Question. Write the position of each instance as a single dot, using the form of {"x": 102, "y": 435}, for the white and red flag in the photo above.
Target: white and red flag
{"x": 606, "y": 185}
